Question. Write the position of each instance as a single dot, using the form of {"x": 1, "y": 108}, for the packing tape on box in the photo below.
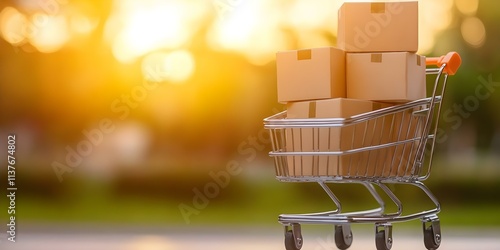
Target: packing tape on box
{"x": 377, "y": 105}
{"x": 378, "y": 8}
{"x": 312, "y": 109}
{"x": 418, "y": 60}
{"x": 304, "y": 54}
{"x": 376, "y": 57}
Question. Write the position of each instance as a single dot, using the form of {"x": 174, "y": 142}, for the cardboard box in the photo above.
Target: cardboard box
{"x": 378, "y": 27}
{"x": 331, "y": 108}
{"x": 310, "y": 74}
{"x": 328, "y": 139}
{"x": 387, "y": 77}
{"x": 397, "y": 160}
{"x": 390, "y": 161}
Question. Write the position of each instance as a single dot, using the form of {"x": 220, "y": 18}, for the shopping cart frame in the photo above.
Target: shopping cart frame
{"x": 425, "y": 112}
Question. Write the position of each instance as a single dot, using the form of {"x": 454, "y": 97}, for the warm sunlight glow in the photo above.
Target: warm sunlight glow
{"x": 467, "y": 7}
{"x": 139, "y": 27}
{"x": 313, "y": 30}
{"x": 176, "y": 66}
{"x": 47, "y": 33}
{"x": 235, "y": 29}
{"x": 251, "y": 28}
{"x": 434, "y": 16}
{"x": 51, "y": 34}
{"x": 473, "y": 31}
{"x": 81, "y": 24}
{"x": 324, "y": 11}
{"x": 258, "y": 29}
{"x": 13, "y": 26}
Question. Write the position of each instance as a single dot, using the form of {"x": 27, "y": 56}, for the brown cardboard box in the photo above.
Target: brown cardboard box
{"x": 388, "y": 77}
{"x": 378, "y": 27}
{"x": 310, "y": 74}
{"x": 398, "y": 160}
{"x": 328, "y": 139}
{"x": 390, "y": 161}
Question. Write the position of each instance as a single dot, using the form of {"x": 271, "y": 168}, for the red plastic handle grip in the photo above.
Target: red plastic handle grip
{"x": 452, "y": 60}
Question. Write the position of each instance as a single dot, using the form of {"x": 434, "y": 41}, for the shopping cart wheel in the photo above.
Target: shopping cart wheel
{"x": 293, "y": 237}
{"x": 383, "y": 236}
{"x": 343, "y": 236}
{"x": 432, "y": 232}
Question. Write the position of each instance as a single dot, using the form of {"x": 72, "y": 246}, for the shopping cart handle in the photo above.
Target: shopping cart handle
{"x": 452, "y": 60}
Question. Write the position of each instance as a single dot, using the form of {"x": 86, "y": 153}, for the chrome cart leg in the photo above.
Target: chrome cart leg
{"x": 394, "y": 199}
{"x": 432, "y": 232}
{"x": 293, "y": 237}
{"x": 375, "y": 195}
{"x": 383, "y": 236}
{"x": 332, "y": 196}
{"x": 287, "y": 219}
{"x": 343, "y": 236}
{"x": 429, "y": 194}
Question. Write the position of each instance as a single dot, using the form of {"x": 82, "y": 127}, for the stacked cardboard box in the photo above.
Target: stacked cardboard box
{"x": 374, "y": 66}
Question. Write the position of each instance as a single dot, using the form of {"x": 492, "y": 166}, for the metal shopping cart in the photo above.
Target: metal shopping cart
{"x": 392, "y": 145}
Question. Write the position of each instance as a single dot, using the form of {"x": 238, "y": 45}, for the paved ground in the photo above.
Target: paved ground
{"x": 228, "y": 239}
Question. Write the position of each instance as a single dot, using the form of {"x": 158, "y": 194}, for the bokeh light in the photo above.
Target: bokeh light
{"x": 13, "y": 25}
{"x": 81, "y": 24}
{"x": 251, "y": 28}
{"x": 47, "y": 33}
{"x": 136, "y": 28}
{"x": 434, "y": 16}
{"x": 473, "y": 31}
{"x": 255, "y": 29}
{"x": 467, "y": 7}
{"x": 325, "y": 11}
{"x": 50, "y": 33}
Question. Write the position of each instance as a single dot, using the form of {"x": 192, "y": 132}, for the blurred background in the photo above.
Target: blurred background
{"x": 148, "y": 114}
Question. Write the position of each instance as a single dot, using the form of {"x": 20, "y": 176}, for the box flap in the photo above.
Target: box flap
{"x": 304, "y": 54}
{"x": 378, "y": 8}
{"x": 376, "y": 57}
{"x": 312, "y": 110}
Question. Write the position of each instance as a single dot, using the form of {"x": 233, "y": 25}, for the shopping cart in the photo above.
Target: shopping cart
{"x": 392, "y": 145}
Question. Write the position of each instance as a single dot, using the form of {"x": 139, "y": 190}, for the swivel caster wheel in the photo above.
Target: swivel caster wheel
{"x": 383, "y": 236}
{"x": 293, "y": 237}
{"x": 343, "y": 236}
{"x": 432, "y": 233}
